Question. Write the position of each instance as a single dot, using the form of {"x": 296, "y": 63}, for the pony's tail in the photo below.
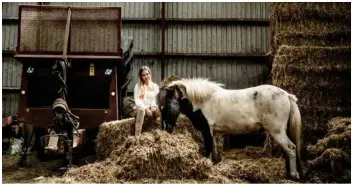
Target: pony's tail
{"x": 295, "y": 129}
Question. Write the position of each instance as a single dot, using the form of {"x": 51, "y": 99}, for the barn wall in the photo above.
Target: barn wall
{"x": 180, "y": 37}
{"x": 10, "y": 101}
{"x": 217, "y": 10}
{"x": 217, "y": 38}
{"x": 11, "y": 69}
{"x": 231, "y": 72}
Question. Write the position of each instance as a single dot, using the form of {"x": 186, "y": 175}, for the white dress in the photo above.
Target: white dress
{"x": 149, "y": 99}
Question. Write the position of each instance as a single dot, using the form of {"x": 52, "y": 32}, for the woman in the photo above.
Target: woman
{"x": 144, "y": 94}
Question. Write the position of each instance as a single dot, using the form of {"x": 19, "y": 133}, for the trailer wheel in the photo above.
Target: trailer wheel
{"x": 128, "y": 107}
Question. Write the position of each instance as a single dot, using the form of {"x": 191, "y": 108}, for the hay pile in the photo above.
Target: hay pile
{"x": 332, "y": 154}
{"x": 154, "y": 163}
{"x": 114, "y": 134}
{"x": 311, "y": 48}
{"x": 160, "y": 155}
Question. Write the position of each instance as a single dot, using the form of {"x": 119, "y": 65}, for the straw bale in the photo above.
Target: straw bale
{"x": 321, "y": 89}
{"x": 334, "y": 39}
{"x": 158, "y": 154}
{"x": 113, "y": 134}
{"x": 313, "y": 55}
{"x": 311, "y": 33}
{"x": 312, "y": 28}
{"x": 312, "y": 77}
{"x": 298, "y": 11}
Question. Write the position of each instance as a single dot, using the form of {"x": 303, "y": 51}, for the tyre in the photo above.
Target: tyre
{"x": 128, "y": 107}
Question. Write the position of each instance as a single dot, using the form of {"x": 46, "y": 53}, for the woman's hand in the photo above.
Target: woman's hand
{"x": 148, "y": 112}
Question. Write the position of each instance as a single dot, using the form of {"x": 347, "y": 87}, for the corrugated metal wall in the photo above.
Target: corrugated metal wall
{"x": 11, "y": 73}
{"x": 10, "y": 102}
{"x": 189, "y": 38}
{"x": 11, "y": 69}
{"x": 217, "y": 39}
{"x": 233, "y": 73}
{"x": 217, "y": 10}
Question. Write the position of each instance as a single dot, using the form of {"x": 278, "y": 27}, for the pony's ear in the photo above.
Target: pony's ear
{"x": 170, "y": 91}
{"x": 180, "y": 91}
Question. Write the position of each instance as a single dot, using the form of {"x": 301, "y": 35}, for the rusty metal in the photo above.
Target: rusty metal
{"x": 163, "y": 40}
{"x": 19, "y": 28}
{"x": 49, "y": 25}
{"x": 68, "y": 56}
{"x": 67, "y": 30}
{"x": 144, "y": 54}
{"x": 113, "y": 101}
{"x": 89, "y": 118}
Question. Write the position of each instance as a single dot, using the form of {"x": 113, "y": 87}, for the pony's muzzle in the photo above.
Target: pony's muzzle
{"x": 164, "y": 125}
{"x": 169, "y": 129}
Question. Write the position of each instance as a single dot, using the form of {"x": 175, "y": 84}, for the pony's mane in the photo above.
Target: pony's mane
{"x": 197, "y": 90}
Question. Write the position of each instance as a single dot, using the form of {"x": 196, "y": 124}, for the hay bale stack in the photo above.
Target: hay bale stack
{"x": 331, "y": 156}
{"x": 311, "y": 59}
{"x": 310, "y": 24}
{"x": 320, "y": 78}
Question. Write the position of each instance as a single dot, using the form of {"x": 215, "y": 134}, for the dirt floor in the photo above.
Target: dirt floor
{"x": 34, "y": 171}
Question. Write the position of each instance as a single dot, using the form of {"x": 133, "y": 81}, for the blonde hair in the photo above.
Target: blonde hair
{"x": 142, "y": 87}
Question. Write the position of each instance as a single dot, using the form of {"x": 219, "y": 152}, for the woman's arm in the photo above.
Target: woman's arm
{"x": 138, "y": 101}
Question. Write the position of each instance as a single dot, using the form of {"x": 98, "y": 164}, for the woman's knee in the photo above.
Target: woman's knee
{"x": 139, "y": 111}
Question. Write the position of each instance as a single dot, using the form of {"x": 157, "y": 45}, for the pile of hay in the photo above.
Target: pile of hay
{"x": 146, "y": 160}
{"x": 251, "y": 164}
{"x": 114, "y": 134}
{"x": 332, "y": 154}
{"x": 311, "y": 59}
{"x": 160, "y": 155}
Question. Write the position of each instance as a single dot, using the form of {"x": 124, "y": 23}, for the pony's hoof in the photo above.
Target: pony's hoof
{"x": 295, "y": 175}
{"x": 216, "y": 160}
